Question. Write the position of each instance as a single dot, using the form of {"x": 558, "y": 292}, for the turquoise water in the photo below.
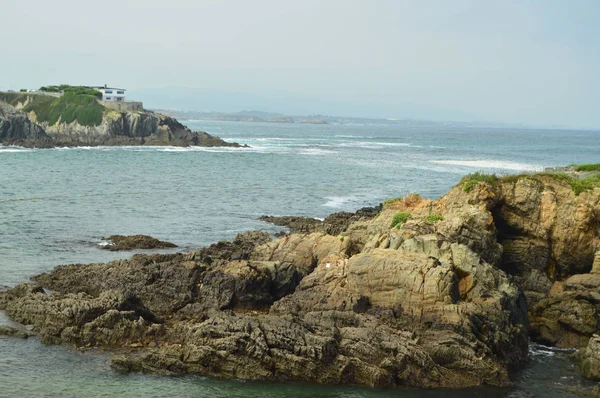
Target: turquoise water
{"x": 57, "y": 204}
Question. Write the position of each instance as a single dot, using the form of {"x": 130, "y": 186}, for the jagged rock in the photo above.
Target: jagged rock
{"x": 17, "y": 129}
{"x": 434, "y": 302}
{"x": 132, "y": 242}
{"x": 139, "y": 127}
{"x": 570, "y": 314}
{"x": 589, "y": 359}
{"x": 12, "y": 332}
{"x": 334, "y": 224}
{"x": 295, "y": 224}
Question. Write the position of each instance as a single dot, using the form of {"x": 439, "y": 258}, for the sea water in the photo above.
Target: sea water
{"x": 56, "y": 205}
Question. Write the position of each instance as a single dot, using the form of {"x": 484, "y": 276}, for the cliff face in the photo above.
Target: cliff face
{"x": 17, "y": 129}
{"x": 130, "y": 128}
{"x": 110, "y": 127}
{"x": 424, "y": 293}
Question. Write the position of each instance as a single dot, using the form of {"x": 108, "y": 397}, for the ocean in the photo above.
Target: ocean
{"x": 56, "y": 205}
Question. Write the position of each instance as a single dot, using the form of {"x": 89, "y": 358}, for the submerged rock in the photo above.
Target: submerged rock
{"x": 133, "y": 242}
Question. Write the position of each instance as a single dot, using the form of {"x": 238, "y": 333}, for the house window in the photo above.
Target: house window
{"x": 108, "y": 98}
{"x": 120, "y": 92}
{"x": 108, "y": 92}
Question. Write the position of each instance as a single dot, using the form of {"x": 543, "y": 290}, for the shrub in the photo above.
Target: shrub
{"x": 412, "y": 198}
{"x": 434, "y": 218}
{"x": 588, "y": 167}
{"x": 23, "y": 90}
{"x": 392, "y": 200}
{"x": 471, "y": 180}
{"x": 399, "y": 219}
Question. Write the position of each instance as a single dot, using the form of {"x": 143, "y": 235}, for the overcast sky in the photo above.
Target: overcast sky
{"x": 535, "y": 62}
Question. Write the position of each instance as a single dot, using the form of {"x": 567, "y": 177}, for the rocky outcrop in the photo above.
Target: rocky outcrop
{"x": 428, "y": 293}
{"x": 17, "y": 129}
{"x": 310, "y": 307}
{"x": 139, "y": 127}
{"x": 334, "y": 224}
{"x": 9, "y": 331}
{"x": 133, "y": 242}
{"x": 131, "y": 128}
{"x": 589, "y": 359}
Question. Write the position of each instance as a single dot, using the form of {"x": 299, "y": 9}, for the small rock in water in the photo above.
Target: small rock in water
{"x": 12, "y": 332}
{"x": 132, "y": 242}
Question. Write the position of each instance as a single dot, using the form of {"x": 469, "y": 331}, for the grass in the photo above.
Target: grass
{"x": 434, "y": 218}
{"x": 392, "y": 200}
{"x": 399, "y": 219}
{"x": 77, "y": 90}
{"x": 471, "y": 180}
{"x": 578, "y": 185}
{"x": 76, "y": 104}
{"x": 71, "y": 106}
{"x": 588, "y": 167}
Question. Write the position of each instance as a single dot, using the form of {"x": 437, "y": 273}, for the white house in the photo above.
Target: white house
{"x": 111, "y": 93}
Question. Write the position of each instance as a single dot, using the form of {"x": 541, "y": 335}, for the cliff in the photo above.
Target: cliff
{"x": 80, "y": 120}
{"x": 17, "y": 129}
{"x": 424, "y": 293}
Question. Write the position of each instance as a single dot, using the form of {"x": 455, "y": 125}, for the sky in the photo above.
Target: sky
{"x": 530, "y": 62}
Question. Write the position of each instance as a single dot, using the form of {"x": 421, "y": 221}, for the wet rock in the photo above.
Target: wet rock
{"x": 589, "y": 359}
{"x": 134, "y": 242}
{"x": 12, "y": 332}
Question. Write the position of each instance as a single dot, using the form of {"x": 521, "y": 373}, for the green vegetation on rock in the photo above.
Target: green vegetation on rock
{"x": 434, "y": 218}
{"x": 470, "y": 180}
{"x": 399, "y": 219}
{"x": 588, "y": 167}
{"x": 392, "y": 200}
{"x": 77, "y": 90}
{"x": 71, "y": 106}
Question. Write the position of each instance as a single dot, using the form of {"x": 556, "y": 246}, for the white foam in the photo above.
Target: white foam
{"x": 491, "y": 164}
{"x": 316, "y": 151}
{"x": 14, "y": 150}
{"x": 373, "y": 144}
{"x": 338, "y": 201}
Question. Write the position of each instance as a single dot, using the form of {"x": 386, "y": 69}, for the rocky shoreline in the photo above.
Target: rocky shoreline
{"x": 417, "y": 292}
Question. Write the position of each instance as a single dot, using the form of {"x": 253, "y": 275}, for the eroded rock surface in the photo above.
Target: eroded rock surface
{"x": 17, "y": 129}
{"x": 433, "y": 301}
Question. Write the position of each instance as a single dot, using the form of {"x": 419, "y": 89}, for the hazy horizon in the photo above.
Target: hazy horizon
{"x": 533, "y": 62}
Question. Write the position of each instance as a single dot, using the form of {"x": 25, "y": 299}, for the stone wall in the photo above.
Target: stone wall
{"x": 123, "y": 105}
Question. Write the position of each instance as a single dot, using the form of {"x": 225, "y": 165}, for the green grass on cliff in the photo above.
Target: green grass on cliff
{"x": 470, "y": 180}
{"x": 392, "y": 200}
{"x": 588, "y": 167}
{"x": 434, "y": 218}
{"x": 578, "y": 185}
{"x": 77, "y": 90}
{"x": 399, "y": 219}
{"x": 72, "y": 106}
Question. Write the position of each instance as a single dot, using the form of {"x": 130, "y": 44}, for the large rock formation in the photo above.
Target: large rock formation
{"x": 116, "y": 128}
{"x": 130, "y": 128}
{"x": 17, "y": 129}
{"x": 424, "y": 294}
{"x": 589, "y": 359}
